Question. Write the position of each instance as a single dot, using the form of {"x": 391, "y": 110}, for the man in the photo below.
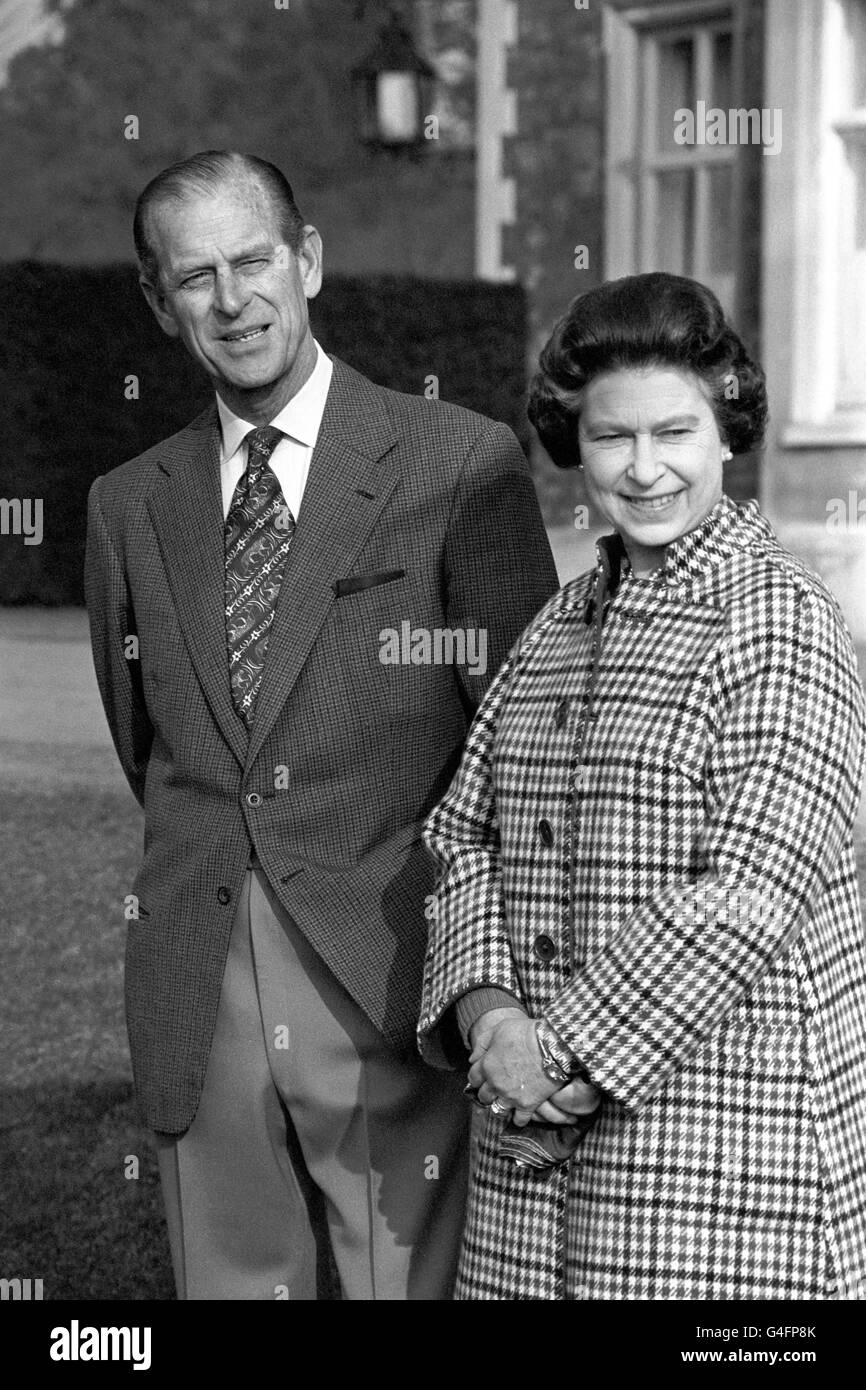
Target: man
{"x": 260, "y": 586}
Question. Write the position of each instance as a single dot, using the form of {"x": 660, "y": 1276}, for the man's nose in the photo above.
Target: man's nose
{"x": 230, "y": 293}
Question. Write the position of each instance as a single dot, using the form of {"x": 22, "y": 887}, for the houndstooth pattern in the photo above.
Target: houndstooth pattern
{"x": 259, "y": 530}
{"x": 700, "y": 889}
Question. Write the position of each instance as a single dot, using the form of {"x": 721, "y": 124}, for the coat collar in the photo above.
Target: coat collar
{"x": 730, "y": 526}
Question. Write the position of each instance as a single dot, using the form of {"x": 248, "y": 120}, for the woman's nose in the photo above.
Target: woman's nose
{"x": 645, "y": 465}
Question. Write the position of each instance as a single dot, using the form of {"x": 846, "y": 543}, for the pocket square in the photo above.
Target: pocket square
{"x": 355, "y": 583}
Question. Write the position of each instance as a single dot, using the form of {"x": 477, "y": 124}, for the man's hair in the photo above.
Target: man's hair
{"x": 654, "y": 320}
{"x": 208, "y": 172}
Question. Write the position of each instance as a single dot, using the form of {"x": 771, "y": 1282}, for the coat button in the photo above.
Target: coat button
{"x": 223, "y": 896}
{"x": 253, "y": 799}
{"x": 545, "y": 832}
{"x": 580, "y": 779}
{"x": 560, "y": 714}
{"x": 544, "y": 948}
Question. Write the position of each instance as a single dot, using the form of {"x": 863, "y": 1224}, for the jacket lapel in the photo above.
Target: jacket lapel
{"x": 186, "y": 510}
{"x": 352, "y": 474}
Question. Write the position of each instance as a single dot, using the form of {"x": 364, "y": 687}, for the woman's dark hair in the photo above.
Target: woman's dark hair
{"x": 644, "y": 321}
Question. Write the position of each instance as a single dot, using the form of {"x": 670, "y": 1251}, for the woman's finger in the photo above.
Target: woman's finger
{"x": 553, "y": 1115}
{"x": 486, "y": 1094}
{"x": 577, "y": 1098}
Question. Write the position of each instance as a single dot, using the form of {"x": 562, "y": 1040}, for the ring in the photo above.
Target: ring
{"x": 499, "y": 1107}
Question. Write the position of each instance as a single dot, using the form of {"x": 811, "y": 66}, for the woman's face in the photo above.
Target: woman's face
{"x": 652, "y": 456}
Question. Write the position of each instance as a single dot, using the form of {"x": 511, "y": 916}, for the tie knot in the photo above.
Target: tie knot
{"x": 261, "y": 444}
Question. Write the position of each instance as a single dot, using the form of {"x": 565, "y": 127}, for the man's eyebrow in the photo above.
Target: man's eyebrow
{"x": 190, "y": 267}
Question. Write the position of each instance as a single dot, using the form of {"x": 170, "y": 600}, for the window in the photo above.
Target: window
{"x": 674, "y": 189}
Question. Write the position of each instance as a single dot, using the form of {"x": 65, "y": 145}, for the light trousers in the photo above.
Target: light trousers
{"x": 312, "y": 1142}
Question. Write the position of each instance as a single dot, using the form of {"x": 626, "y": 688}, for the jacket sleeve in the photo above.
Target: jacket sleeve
{"x": 114, "y": 643}
{"x": 781, "y": 792}
{"x": 468, "y": 944}
{"x": 499, "y": 569}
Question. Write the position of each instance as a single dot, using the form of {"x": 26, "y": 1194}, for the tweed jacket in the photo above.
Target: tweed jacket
{"x": 416, "y": 515}
{"x": 649, "y": 842}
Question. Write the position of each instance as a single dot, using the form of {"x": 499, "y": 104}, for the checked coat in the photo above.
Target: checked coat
{"x": 649, "y": 841}
{"x": 414, "y": 512}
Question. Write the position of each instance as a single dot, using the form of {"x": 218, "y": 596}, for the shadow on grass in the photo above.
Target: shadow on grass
{"x": 72, "y": 1217}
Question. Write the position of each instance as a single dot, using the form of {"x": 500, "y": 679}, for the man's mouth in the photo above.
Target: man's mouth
{"x": 651, "y": 504}
{"x": 246, "y": 337}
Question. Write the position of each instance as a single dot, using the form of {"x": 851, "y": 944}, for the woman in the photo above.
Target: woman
{"x": 646, "y": 869}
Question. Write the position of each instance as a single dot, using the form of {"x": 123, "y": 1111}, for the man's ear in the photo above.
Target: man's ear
{"x": 310, "y": 255}
{"x": 156, "y": 299}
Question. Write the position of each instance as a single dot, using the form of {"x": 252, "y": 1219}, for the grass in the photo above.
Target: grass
{"x": 68, "y": 1123}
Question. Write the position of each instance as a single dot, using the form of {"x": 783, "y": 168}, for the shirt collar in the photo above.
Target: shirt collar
{"x": 300, "y": 418}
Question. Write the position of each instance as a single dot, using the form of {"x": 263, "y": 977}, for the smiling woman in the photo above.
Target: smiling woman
{"x": 647, "y": 902}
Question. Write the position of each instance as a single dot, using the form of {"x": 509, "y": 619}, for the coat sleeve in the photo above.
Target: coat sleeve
{"x": 468, "y": 943}
{"x": 781, "y": 792}
{"x": 118, "y": 669}
{"x": 499, "y": 569}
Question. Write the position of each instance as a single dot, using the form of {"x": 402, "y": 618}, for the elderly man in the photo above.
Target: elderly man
{"x": 286, "y": 750}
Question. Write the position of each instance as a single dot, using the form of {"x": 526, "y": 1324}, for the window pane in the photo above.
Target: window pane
{"x": 721, "y": 76}
{"x": 674, "y": 222}
{"x": 676, "y": 88}
{"x": 720, "y": 253}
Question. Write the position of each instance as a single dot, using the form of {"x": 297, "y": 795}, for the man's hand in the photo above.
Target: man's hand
{"x": 506, "y": 1063}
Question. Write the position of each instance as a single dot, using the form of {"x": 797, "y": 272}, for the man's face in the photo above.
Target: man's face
{"x": 236, "y": 295}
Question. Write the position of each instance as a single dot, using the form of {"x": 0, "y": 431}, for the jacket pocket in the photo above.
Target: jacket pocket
{"x": 356, "y": 583}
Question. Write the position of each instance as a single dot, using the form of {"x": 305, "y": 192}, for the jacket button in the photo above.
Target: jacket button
{"x": 253, "y": 799}
{"x": 560, "y": 716}
{"x": 544, "y": 948}
{"x": 545, "y": 832}
{"x": 223, "y": 895}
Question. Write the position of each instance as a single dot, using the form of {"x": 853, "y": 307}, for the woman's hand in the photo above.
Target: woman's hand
{"x": 564, "y": 1106}
{"x": 506, "y": 1064}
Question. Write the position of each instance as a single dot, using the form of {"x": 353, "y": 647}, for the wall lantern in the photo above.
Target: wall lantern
{"x": 394, "y": 90}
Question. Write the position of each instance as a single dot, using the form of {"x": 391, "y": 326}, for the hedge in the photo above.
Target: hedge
{"x": 74, "y": 335}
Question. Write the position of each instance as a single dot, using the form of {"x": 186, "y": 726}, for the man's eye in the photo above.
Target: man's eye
{"x": 254, "y": 263}
{"x": 602, "y": 437}
{"x": 200, "y": 277}
{"x": 679, "y": 430}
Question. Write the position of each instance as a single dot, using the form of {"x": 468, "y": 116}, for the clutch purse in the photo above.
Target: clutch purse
{"x": 539, "y": 1145}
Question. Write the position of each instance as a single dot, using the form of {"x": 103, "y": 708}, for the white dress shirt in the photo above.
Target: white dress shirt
{"x": 299, "y": 420}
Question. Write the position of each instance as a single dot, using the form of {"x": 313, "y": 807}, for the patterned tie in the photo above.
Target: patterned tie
{"x": 259, "y": 530}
